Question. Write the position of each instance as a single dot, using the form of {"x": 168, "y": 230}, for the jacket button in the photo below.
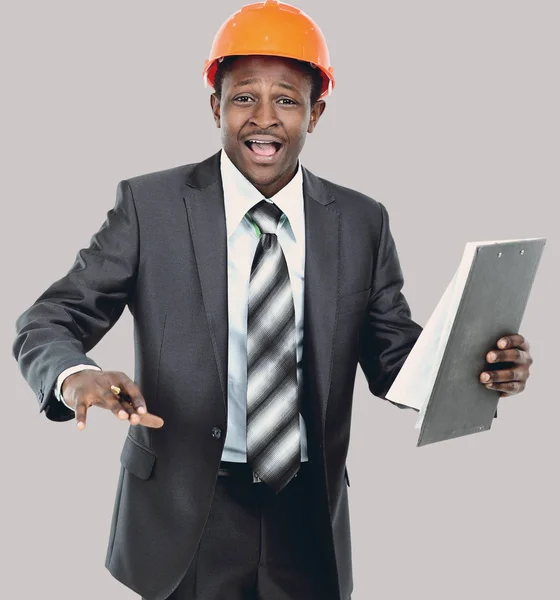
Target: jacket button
{"x": 216, "y": 433}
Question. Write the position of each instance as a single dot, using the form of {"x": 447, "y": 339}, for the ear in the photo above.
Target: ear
{"x": 316, "y": 111}
{"x": 215, "y": 104}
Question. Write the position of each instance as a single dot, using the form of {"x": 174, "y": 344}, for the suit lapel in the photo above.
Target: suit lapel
{"x": 206, "y": 215}
{"x": 207, "y": 222}
{"x": 322, "y": 238}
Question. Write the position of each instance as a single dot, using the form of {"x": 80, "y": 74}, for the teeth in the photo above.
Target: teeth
{"x": 260, "y": 142}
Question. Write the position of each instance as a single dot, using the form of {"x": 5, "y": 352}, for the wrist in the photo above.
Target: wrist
{"x": 64, "y": 390}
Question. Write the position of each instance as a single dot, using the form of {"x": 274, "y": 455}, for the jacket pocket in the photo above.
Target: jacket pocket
{"x": 136, "y": 459}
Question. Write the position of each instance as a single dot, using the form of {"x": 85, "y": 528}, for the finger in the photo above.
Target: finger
{"x": 111, "y": 402}
{"x": 81, "y": 411}
{"x": 515, "y": 355}
{"x": 131, "y": 389}
{"x": 507, "y": 388}
{"x": 503, "y": 375}
{"x": 514, "y": 340}
{"x": 118, "y": 406}
{"x": 150, "y": 420}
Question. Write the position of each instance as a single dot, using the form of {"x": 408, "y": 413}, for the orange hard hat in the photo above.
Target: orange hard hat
{"x": 271, "y": 28}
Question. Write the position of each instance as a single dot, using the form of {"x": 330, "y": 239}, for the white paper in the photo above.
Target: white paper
{"x": 413, "y": 385}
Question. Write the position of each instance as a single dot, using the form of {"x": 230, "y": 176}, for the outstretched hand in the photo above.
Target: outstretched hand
{"x": 111, "y": 390}
{"x": 508, "y": 365}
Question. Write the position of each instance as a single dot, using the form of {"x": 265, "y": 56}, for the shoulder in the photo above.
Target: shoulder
{"x": 176, "y": 182}
{"x": 351, "y": 203}
{"x": 172, "y": 177}
{"x": 156, "y": 190}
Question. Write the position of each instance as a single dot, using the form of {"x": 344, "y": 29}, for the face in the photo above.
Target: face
{"x": 265, "y": 114}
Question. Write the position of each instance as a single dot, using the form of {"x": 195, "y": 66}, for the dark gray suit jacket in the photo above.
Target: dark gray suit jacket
{"x": 162, "y": 252}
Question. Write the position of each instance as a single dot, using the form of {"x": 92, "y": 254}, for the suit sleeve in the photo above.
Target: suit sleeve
{"x": 75, "y": 312}
{"x": 388, "y": 333}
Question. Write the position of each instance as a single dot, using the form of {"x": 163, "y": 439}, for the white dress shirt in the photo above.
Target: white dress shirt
{"x": 240, "y": 196}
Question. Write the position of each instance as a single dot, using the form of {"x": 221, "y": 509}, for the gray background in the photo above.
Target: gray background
{"x": 447, "y": 112}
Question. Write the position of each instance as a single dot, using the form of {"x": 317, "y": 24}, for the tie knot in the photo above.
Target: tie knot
{"x": 266, "y": 215}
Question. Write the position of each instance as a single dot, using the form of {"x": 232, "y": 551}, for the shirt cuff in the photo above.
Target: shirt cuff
{"x": 66, "y": 373}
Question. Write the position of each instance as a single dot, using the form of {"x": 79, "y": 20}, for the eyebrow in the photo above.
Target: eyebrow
{"x": 250, "y": 80}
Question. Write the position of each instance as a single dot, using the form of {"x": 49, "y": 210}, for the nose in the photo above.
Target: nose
{"x": 264, "y": 114}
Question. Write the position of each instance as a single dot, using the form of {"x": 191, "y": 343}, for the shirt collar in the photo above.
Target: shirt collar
{"x": 240, "y": 195}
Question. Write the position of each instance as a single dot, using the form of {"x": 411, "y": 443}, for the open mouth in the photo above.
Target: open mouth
{"x": 267, "y": 150}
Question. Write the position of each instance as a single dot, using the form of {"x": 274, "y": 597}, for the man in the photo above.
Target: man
{"x": 256, "y": 289}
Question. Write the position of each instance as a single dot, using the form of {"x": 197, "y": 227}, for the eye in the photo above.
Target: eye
{"x": 288, "y": 101}
{"x": 242, "y": 99}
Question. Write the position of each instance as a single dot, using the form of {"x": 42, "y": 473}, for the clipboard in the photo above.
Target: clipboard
{"x": 485, "y": 300}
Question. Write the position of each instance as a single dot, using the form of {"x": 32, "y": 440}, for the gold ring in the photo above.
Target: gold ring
{"x": 116, "y": 390}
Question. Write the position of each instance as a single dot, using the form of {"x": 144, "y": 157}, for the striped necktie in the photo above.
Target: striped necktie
{"x": 273, "y": 432}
